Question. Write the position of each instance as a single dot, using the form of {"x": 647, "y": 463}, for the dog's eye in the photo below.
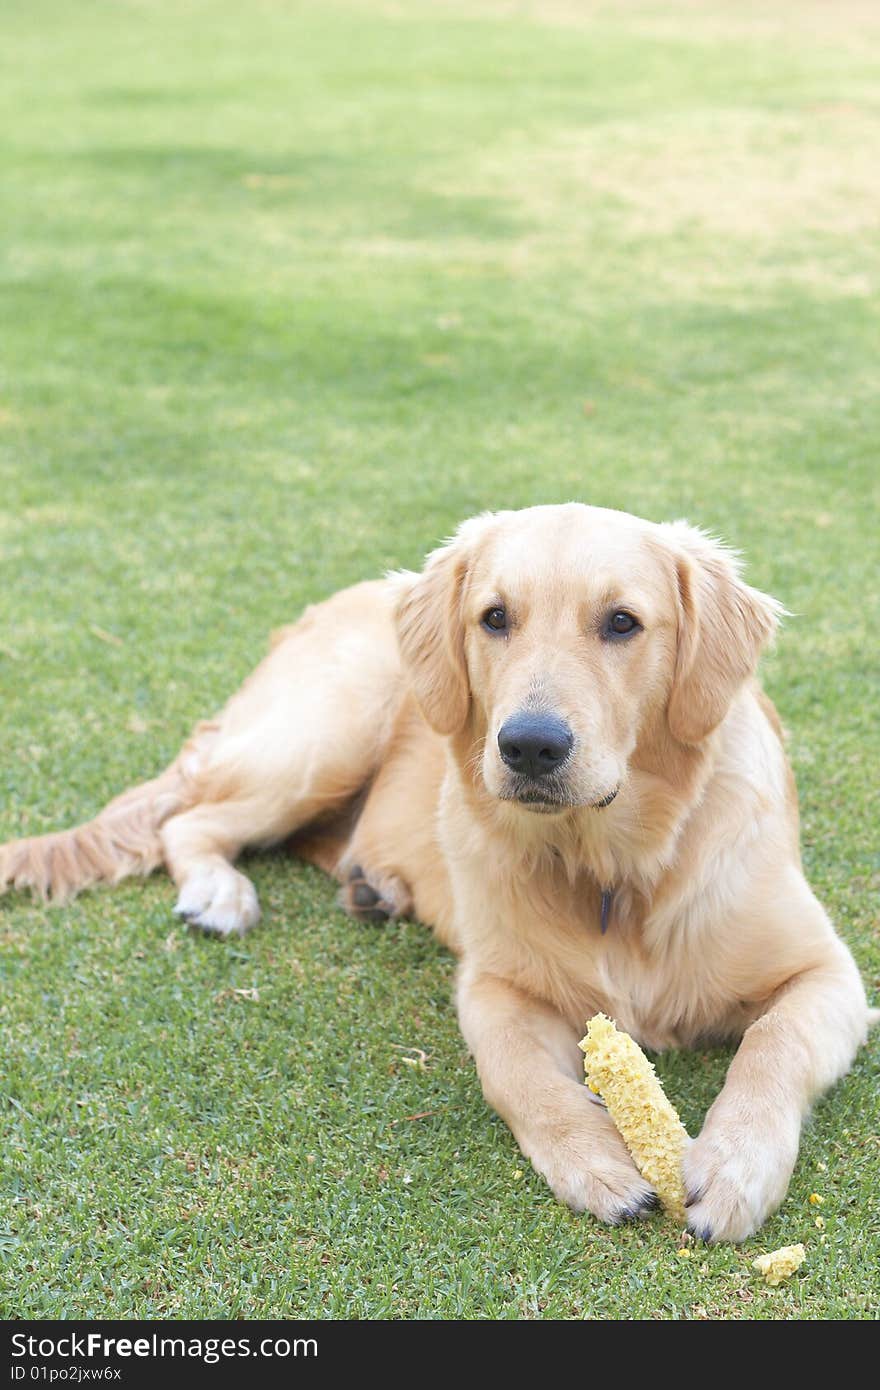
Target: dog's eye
{"x": 495, "y": 619}
{"x": 621, "y": 624}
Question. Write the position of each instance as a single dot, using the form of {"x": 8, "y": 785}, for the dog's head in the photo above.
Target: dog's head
{"x": 560, "y": 636}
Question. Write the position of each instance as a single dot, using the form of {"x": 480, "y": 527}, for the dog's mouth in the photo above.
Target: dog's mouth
{"x": 541, "y": 803}
{"x": 544, "y": 800}
{"x": 549, "y": 800}
{"x": 606, "y": 800}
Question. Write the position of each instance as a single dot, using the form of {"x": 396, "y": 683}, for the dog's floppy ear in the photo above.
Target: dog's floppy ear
{"x": 430, "y": 633}
{"x": 723, "y": 626}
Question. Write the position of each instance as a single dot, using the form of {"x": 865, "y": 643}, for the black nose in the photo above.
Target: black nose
{"x": 534, "y": 744}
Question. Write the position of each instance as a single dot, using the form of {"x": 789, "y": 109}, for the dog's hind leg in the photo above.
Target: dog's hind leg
{"x": 301, "y": 738}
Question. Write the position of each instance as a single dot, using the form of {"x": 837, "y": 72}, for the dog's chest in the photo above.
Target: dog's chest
{"x": 666, "y": 996}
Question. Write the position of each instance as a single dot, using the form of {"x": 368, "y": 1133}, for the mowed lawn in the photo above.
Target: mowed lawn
{"x": 287, "y": 291}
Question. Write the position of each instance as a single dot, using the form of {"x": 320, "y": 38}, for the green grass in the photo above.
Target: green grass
{"x": 288, "y": 290}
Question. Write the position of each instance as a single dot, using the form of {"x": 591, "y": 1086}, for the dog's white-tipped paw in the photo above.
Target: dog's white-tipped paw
{"x": 735, "y": 1180}
{"x": 588, "y": 1167}
{"x": 612, "y": 1192}
{"x": 220, "y": 900}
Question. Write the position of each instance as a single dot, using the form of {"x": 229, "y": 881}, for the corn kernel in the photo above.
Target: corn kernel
{"x": 780, "y": 1264}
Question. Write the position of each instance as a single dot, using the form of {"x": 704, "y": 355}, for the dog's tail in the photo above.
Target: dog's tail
{"x": 122, "y": 841}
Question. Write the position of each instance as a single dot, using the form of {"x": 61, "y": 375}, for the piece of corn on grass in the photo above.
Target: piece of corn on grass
{"x": 617, "y": 1069}
{"x": 780, "y": 1264}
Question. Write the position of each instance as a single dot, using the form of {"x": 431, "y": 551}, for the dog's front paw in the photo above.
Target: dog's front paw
{"x": 589, "y": 1169}
{"x": 735, "y": 1178}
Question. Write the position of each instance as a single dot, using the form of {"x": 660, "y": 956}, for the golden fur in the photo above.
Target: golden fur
{"x": 368, "y": 738}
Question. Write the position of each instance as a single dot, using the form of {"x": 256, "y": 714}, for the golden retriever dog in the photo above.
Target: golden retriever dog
{"x": 550, "y": 747}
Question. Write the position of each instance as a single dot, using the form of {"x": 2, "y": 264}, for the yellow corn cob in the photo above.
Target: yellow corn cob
{"x": 618, "y": 1070}
{"x": 779, "y": 1264}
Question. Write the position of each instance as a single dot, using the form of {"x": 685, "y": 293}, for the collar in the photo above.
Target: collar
{"x": 605, "y": 914}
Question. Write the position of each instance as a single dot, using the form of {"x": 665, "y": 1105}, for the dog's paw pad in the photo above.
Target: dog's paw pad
{"x": 362, "y": 899}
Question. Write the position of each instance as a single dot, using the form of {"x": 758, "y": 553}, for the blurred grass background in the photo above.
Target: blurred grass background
{"x": 288, "y": 289}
